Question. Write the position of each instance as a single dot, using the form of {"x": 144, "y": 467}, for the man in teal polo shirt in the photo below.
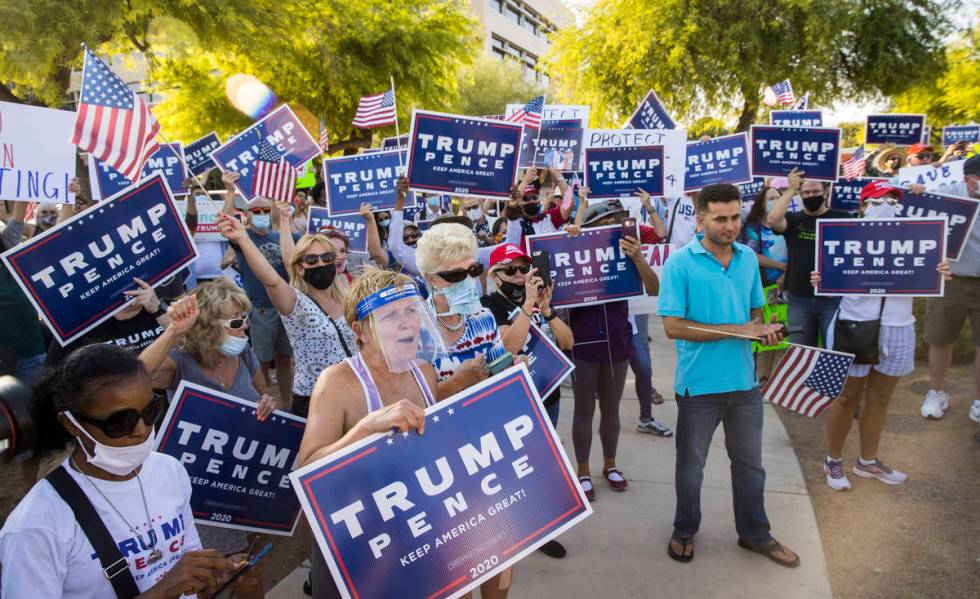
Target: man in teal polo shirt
{"x": 711, "y": 290}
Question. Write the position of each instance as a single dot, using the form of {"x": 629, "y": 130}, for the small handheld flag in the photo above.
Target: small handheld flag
{"x": 274, "y": 177}
{"x": 781, "y": 93}
{"x": 376, "y": 111}
{"x": 854, "y": 166}
{"x": 807, "y": 379}
{"x": 529, "y": 115}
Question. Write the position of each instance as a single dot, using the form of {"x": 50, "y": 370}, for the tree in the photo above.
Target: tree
{"x": 711, "y": 57}
{"x": 489, "y": 84}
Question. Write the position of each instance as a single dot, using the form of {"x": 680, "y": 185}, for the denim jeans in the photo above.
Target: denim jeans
{"x": 811, "y": 316}
{"x": 640, "y": 364}
{"x": 698, "y": 416}
{"x": 553, "y": 411}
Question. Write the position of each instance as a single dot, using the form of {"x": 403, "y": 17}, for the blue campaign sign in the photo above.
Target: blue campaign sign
{"x": 845, "y": 194}
{"x": 353, "y": 226}
{"x": 198, "y": 153}
{"x": 777, "y": 150}
{"x": 435, "y": 515}
{"x": 616, "y": 172}
{"x": 796, "y": 118}
{"x": 961, "y": 213}
{"x": 588, "y": 268}
{"x": 898, "y": 129}
{"x": 557, "y": 145}
{"x": 650, "y": 114}
{"x": 750, "y": 190}
{"x": 719, "y": 160}
{"x": 239, "y": 467}
{"x": 547, "y": 364}
{"x": 462, "y": 155}
{"x": 352, "y": 180}
{"x": 394, "y": 143}
{"x": 888, "y": 256}
{"x": 75, "y": 274}
{"x": 280, "y": 128}
{"x": 167, "y": 160}
{"x": 958, "y": 133}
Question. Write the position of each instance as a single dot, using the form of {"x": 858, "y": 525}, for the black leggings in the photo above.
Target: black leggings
{"x": 605, "y": 380}
{"x": 323, "y": 585}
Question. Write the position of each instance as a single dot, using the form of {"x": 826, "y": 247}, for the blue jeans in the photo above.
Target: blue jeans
{"x": 811, "y": 316}
{"x": 740, "y": 412}
{"x": 640, "y": 364}
{"x": 28, "y": 369}
{"x": 553, "y": 413}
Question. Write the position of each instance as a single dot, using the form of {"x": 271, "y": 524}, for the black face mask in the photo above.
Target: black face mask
{"x": 320, "y": 277}
{"x": 813, "y": 203}
{"x": 512, "y": 291}
{"x": 532, "y": 208}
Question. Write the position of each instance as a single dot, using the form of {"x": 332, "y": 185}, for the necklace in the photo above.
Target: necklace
{"x": 155, "y": 555}
{"x": 453, "y": 327}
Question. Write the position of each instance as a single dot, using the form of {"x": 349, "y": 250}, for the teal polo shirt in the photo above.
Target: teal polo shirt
{"x": 696, "y": 287}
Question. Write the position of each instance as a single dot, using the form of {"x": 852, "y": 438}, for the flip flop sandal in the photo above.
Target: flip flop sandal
{"x": 769, "y": 550}
{"x": 685, "y": 542}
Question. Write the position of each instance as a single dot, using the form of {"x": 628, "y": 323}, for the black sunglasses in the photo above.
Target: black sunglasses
{"x": 925, "y": 155}
{"x": 514, "y": 269}
{"x": 122, "y": 423}
{"x": 314, "y": 259}
{"x": 410, "y": 237}
{"x": 458, "y": 274}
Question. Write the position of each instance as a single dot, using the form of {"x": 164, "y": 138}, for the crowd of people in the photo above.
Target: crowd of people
{"x": 362, "y": 342}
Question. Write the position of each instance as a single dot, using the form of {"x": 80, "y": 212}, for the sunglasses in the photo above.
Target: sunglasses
{"x": 410, "y": 237}
{"x": 122, "y": 423}
{"x": 513, "y": 270}
{"x": 925, "y": 155}
{"x": 260, "y": 210}
{"x": 236, "y": 323}
{"x": 882, "y": 200}
{"x": 314, "y": 259}
{"x": 458, "y": 274}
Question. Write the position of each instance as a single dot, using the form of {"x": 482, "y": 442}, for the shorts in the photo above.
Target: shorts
{"x": 268, "y": 334}
{"x": 896, "y": 353}
{"x": 945, "y": 316}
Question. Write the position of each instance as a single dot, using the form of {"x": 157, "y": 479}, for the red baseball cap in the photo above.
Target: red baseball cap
{"x": 879, "y": 188}
{"x": 916, "y": 148}
{"x": 505, "y": 254}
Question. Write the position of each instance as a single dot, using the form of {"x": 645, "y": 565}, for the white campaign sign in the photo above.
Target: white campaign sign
{"x": 945, "y": 178}
{"x": 558, "y": 112}
{"x": 674, "y": 142}
{"x": 656, "y": 255}
{"x": 207, "y": 215}
{"x": 36, "y": 159}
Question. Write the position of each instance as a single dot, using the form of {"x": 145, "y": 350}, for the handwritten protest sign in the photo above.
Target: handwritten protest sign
{"x": 37, "y": 162}
{"x": 462, "y": 155}
{"x": 352, "y": 225}
{"x": 282, "y": 129}
{"x": 435, "y": 515}
{"x": 942, "y": 178}
{"x": 960, "y": 212}
{"x": 898, "y": 129}
{"x": 371, "y": 178}
{"x": 957, "y": 133}
{"x": 650, "y": 114}
{"x": 558, "y": 112}
{"x": 845, "y": 194}
{"x": 617, "y": 161}
{"x": 777, "y": 150}
{"x": 719, "y": 160}
{"x": 589, "y": 268}
{"x": 796, "y": 118}
{"x": 239, "y": 467}
{"x": 655, "y": 254}
{"x": 75, "y": 273}
{"x": 198, "y": 153}
{"x": 884, "y": 257}
{"x": 167, "y": 160}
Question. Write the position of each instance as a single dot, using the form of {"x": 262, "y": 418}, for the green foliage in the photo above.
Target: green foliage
{"x": 711, "y": 57}
{"x": 489, "y": 84}
{"x": 851, "y": 134}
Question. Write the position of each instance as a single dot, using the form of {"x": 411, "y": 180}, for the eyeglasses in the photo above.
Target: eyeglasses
{"x": 236, "y": 323}
{"x": 260, "y": 210}
{"x": 882, "y": 200}
{"x": 458, "y": 274}
{"x": 410, "y": 237}
{"x": 122, "y": 423}
{"x": 314, "y": 259}
{"x": 514, "y": 269}
{"x": 925, "y": 155}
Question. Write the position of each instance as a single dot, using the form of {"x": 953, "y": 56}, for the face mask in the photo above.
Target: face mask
{"x": 383, "y": 223}
{"x": 232, "y": 346}
{"x": 115, "y": 460}
{"x": 48, "y": 220}
{"x": 532, "y": 209}
{"x": 512, "y": 291}
{"x": 769, "y": 205}
{"x": 432, "y": 202}
{"x": 474, "y": 214}
{"x": 883, "y": 210}
{"x": 813, "y": 203}
{"x": 462, "y": 297}
{"x": 262, "y": 221}
{"x": 320, "y": 277}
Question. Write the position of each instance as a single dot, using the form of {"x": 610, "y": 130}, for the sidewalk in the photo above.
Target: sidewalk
{"x": 620, "y": 551}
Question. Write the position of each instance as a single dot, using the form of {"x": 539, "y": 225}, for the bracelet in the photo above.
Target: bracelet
{"x": 551, "y": 317}
{"x": 161, "y": 310}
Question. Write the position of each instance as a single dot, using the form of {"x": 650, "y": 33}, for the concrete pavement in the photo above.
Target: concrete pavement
{"x": 621, "y": 550}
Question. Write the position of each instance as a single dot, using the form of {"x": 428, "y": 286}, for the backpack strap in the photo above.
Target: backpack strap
{"x": 114, "y": 565}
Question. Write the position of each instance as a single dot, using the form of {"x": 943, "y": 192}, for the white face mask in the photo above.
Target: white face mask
{"x": 474, "y": 214}
{"x": 883, "y": 210}
{"x": 115, "y": 460}
{"x": 233, "y": 346}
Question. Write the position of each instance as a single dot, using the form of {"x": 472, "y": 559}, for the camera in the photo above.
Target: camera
{"x": 17, "y": 431}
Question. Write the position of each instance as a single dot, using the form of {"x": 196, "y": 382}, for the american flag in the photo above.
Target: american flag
{"x": 567, "y": 198}
{"x": 274, "y": 177}
{"x": 376, "y": 111}
{"x": 803, "y": 103}
{"x": 112, "y": 123}
{"x": 324, "y": 138}
{"x": 780, "y": 93}
{"x": 529, "y": 115}
{"x": 854, "y": 166}
{"x": 807, "y": 379}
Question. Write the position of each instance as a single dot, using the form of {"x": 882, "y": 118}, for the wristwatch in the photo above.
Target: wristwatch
{"x": 551, "y": 317}
{"x": 161, "y": 310}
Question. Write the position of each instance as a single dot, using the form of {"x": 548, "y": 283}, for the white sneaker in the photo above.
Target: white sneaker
{"x": 935, "y": 404}
{"x": 975, "y": 411}
{"x": 879, "y": 470}
{"x": 836, "y": 479}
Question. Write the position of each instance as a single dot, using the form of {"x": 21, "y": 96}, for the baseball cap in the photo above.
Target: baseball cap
{"x": 505, "y": 254}
{"x": 916, "y": 148}
{"x": 879, "y": 188}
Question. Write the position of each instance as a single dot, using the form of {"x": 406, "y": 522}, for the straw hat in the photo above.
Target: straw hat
{"x": 887, "y": 152}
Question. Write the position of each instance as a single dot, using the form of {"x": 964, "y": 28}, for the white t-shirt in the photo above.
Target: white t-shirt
{"x": 897, "y": 312}
{"x": 45, "y": 553}
{"x": 682, "y": 211}
{"x": 208, "y": 263}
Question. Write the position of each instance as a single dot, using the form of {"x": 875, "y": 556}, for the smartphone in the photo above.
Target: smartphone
{"x": 541, "y": 260}
{"x": 244, "y": 569}
{"x": 629, "y": 227}
{"x": 500, "y": 364}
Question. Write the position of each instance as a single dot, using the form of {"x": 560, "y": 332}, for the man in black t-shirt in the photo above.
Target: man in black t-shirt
{"x": 809, "y": 316}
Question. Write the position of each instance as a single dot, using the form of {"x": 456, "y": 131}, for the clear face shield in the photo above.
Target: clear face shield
{"x": 401, "y": 327}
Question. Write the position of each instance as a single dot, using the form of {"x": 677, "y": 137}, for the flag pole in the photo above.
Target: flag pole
{"x": 398, "y": 134}
{"x": 751, "y": 338}
{"x": 193, "y": 177}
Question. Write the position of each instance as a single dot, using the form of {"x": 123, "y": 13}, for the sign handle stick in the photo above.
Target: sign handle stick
{"x": 751, "y": 338}
{"x": 194, "y": 178}
{"x": 398, "y": 134}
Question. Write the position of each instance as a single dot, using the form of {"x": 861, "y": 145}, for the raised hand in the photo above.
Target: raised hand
{"x": 144, "y": 295}
{"x": 183, "y": 314}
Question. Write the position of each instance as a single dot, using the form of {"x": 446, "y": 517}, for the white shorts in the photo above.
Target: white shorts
{"x": 896, "y": 353}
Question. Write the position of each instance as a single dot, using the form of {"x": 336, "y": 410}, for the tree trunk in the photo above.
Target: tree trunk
{"x": 749, "y": 108}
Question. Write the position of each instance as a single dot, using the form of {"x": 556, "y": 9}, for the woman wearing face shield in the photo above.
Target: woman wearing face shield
{"x": 102, "y": 397}
{"x": 311, "y": 304}
{"x": 874, "y": 384}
